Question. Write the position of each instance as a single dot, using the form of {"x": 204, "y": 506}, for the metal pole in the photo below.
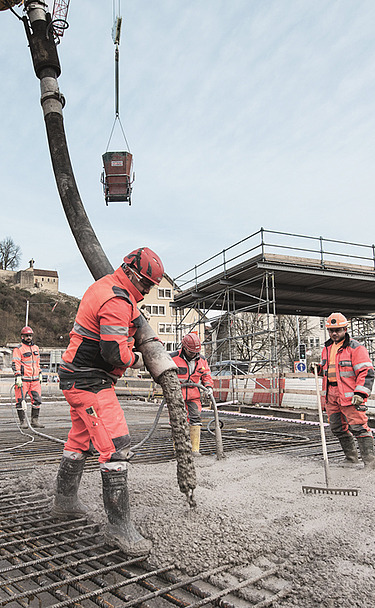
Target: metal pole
{"x": 298, "y": 334}
{"x": 262, "y": 242}
{"x": 321, "y": 251}
{"x": 27, "y": 312}
{"x": 275, "y": 343}
{"x": 321, "y": 426}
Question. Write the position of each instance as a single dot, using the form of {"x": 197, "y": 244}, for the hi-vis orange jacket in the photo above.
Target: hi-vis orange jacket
{"x": 101, "y": 340}
{"x": 200, "y": 375}
{"x": 26, "y": 362}
{"x": 354, "y": 370}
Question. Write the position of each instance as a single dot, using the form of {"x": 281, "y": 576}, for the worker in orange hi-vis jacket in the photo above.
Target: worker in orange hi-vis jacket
{"x": 348, "y": 377}
{"x": 26, "y": 368}
{"x": 100, "y": 350}
{"x": 193, "y": 367}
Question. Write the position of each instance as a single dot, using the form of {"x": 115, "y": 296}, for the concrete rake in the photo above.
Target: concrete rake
{"x": 327, "y": 489}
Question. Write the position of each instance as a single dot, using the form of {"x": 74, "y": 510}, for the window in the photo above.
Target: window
{"x": 148, "y": 308}
{"x": 321, "y": 323}
{"x": 317, "y": 342}
{"x": 311, "y": 342}
{"x": 164, "y": 293}
{"x": 165, "y": 328}
{"x": 158, "y": 310}
{"x": 170, "y": 346}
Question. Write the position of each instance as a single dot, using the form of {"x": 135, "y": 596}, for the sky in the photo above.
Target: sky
{"x": 240, "y": 114}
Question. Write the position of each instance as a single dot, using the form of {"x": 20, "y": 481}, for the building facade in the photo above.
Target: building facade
{"x": 32, "y": 279}
{"x": 169, "y": 324}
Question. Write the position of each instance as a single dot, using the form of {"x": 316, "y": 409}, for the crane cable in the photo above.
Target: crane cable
{"x": 116, "y": 33}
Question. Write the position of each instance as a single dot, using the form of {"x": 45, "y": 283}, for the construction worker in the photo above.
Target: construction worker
{"x": 348, "y": 376}
{"x": 26, "y": 368}
{"x": 100, "y": 350}
{"x": 193, "y": 367}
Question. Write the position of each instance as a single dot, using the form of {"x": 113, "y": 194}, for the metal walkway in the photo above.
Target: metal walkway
{"x": 312, "y": 276}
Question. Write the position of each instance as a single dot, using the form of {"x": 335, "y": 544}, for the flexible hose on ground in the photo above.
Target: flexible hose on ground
{"x": 32, "y": 429}
{"x": 218, "y": 424}
{"x": 152, "y": 429}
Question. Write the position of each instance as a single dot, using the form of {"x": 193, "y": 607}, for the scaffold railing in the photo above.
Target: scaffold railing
{"x": 322, "y": 250}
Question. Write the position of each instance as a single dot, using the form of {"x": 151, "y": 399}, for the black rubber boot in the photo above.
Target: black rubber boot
{"x": 34, "y": 418}
{"x": 350, "y": 449}
{"x": 120, "y": 531}
{"x": 67, "y": 503}
{"x": 366, "y": 447}
{"x": 22, "y": 418}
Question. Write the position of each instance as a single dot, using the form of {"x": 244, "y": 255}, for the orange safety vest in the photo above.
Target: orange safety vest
{"x": 354, "y": 369}
{"x": 200, "y": 375}
{"x": 26, "y": 362}
{"x": 101, "y": 340}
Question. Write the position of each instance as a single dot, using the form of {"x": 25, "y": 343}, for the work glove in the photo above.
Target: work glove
{"x": 40, "y": 377}
{"x": 138, "y": 363}
{"x": 210, "y": 391}
{"x": 313, "y": 365}
{"x": 359, "y": 403}
{"x": 19, "y": 381}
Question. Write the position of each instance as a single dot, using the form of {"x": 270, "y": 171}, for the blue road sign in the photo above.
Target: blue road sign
{"x": 300, "y": 366}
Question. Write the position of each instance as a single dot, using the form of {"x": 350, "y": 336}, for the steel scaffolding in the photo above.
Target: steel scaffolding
{"x": 249, "y": 277}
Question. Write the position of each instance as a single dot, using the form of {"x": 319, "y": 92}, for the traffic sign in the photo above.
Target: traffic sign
{"x": 300, "y": 366}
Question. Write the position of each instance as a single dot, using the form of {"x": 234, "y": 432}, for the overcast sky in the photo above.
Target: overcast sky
{"x": 239, "y": 114}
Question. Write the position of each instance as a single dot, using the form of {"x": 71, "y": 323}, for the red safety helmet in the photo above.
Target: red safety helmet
{"x": 192, "y": 343}
{"x": 146, "y": 263}
{"x": 26, "y": 331}
{"x": 336, "y": 319}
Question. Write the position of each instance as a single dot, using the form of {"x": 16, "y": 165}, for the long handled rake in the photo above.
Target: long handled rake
{"x": 327, "y": 489}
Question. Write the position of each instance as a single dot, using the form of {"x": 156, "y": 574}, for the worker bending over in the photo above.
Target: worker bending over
{"x": 26, "y": 368}
{"x": 99, "y": 352}
{"x": 348, "y": 376}
{"x": 193, "y": 367}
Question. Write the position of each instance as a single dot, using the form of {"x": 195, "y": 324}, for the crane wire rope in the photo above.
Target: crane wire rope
{"x": 116, "y": 33}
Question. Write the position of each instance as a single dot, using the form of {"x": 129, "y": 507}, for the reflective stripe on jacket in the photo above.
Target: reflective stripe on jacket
{"x": 354, "y": 369}
{"x": 26, "y": 362}
{"x": 200, "y": 375}
{"x": 102, "y": 336}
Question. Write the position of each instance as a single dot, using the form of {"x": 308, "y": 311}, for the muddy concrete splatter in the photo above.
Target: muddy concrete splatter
{"x": 250, "y": 506}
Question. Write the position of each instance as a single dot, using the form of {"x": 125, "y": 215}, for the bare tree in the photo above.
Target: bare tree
{"x": 10, "y": 254}
{"x": 287, "y": 341}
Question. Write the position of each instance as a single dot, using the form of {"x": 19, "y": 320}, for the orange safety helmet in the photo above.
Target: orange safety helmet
{"x": 26, "y": 331}
{"x": 192, "y": 343}
{"x": 336, "y": 319}
{"x": 146, "y": 263}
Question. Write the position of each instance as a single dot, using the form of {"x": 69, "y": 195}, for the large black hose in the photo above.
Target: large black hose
{"x": 79, "y": 222}
{"x": 39, "y": 33}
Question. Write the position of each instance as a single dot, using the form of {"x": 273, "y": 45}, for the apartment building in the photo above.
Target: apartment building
{"x": 169, "y": 324}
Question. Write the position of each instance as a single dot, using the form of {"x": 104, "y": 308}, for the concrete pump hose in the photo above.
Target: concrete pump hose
{"x": 164, "y": 371}
{"x": 158, "y": 362}
{"x": 155, "y": 357}
{"x": 186, "y": 476}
